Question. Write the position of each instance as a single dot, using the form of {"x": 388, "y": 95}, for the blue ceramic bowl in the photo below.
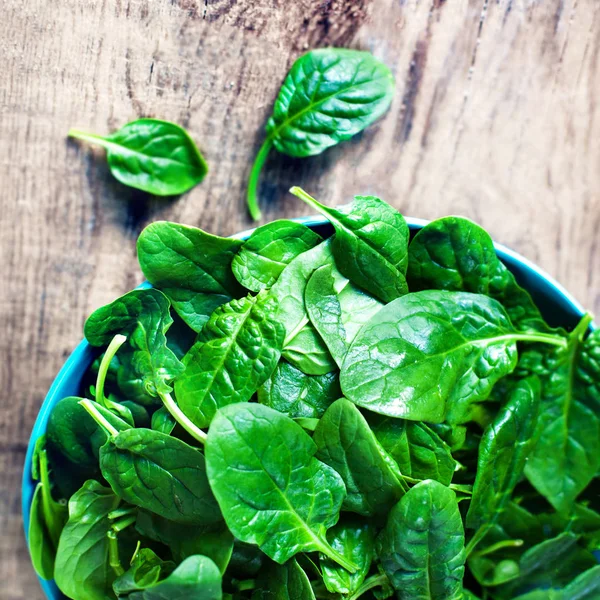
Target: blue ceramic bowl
{"x": 556, "y": 304}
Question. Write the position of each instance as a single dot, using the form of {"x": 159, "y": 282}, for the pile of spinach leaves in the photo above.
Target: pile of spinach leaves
{"x": 294, "y": 417}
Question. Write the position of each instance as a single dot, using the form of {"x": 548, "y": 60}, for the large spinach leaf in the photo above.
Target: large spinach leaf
{"x": 298, "y": 395}
{"x": 417, "y": 449}
{"x": 329, "y": 95}
{"x": 265, "y": 254}
{"x": 160, "y": 473}
{"x": 429, "y": 355}
{"x": 272, "y": 490}
{"x": 82, "y": 568}
{"x": 142, "y": 315}
{"x": 337, "y": 315}
{"x": 235, "y": 353}
{"x": 567, "y": 456}
{"x": 151, "y": 155}
{"x": 456, "y": 254}
{"x": 355, "y": 539}
{"x": 370, "y": 244}
{"x": 346, "y": 443}
{"x": 191, "y": 267}
{"x": 422, "y": 546}
{"x": 505, "y": 446}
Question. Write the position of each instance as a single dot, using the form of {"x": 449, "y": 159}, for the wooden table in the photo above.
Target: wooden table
{"x": 496, "y": 117}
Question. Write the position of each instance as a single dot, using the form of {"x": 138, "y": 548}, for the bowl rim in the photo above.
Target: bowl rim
{"x": 83, "y": 352}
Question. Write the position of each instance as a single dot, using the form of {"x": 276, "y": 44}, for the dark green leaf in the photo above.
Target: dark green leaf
{"x": 163, "y": 421}
{"x": 283, "y": 582}
{"x": 417, "y": 449}
{"x": 356, "y": 541}
{"x": 265, "y": 254}
{"x": 505, "y": 446}
{"x": 191, "y": 267}
{"x": 427, "y": 356}
{"x": 146, "y": 570}
{"x": 370, "y": 244}
{"x": 143, "y": 316}
{"x": 82, "y": 567}
{"x": 290, "y": 391}
{"x": 422, "y": 546}
{"x": 271, "y": 489}
{"x": 155, "y": 156}
{"x": 346, "y": 443}
{"x": 455, "y": 254}
{"x": 235, "y": 353}
{"x": 159, "y": 473}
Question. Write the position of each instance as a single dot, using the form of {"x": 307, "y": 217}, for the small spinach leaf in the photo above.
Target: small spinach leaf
{"x": 191, "y": 267}
{"x": 370, "y": 244}
{"x": 283, "y": 582}
{"x": 271, "y": 489}
{"x": 235, "y": 353}
{"x": 163, "y": 421}
{"x": 269, "y": 249}
{"x": 296, "y": 394}
{"x": 155, "y": 156}
{"x": 346, "y": 443}
{"x": 422, "y": 546}
{"x": 328, "y": 96}
{"x": 146, "y": 570}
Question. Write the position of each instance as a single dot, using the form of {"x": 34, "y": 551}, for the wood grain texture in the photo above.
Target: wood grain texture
{"x": 495, "y": 117}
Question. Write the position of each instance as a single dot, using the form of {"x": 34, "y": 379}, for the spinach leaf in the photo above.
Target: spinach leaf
{"x": 328, "y": 96}
{"x": 163, "y": 421}
{"x": 155, "y": 156}
{"x": 567, "y": 456}
{"x": 191, "y": 267}
{"x": 46, "y": 521}
{"x": 585, "y": 586}
{"x": 146, "y": 570}
{"x": 235, "y": 353}
{"x": 159, "y": 473}
{"x": 422, "y": 546}
{"x": 354, "y": 539}
{"x": 142, "y": 315}
{"x": 455, "y": 254}
{"x": 185, "y": 540}
{"x": 370, "y": 244}
{"x": 504, "y": 449}
{"x": 417, "y": 449}
{"x": 295, "y": 394}
{"x": 429, "y": 355}
{"x": 246, "y": 560}
{"x": 308, "y": 352}
{"x": 346, "y": 443}
{"x": 283, "y": 582}
{"x": 82, "y": 568}
{"x": 265, "y": 254}
{"x": 196, "y": 578}
{"x": 337, "y": 316}
{"x": 271, "y": 489}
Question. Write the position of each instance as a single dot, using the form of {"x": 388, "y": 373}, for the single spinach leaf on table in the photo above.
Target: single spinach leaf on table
{"x": 370, "y": 245}
{"x": 355, "y": 539}
{"x": 417, "y": 449}
{"x": 259, "y": 262}
{"x": 155, "y": 156}
{"x": 346, "y": 443}
{"x": 337, "y": 316}
{"x": 191, "y": 267}
{"x": 82, "y": 567}
{"x": 328, "y": 96}
{"x": 143, "y": 316}
{"x": 159, "y": 473}
{"x": 422, "y": 546}
{"x": 458, "y": 255}
{"x": 196, "y": 578}
{"x": 298, "y": 395}
{"x": 283, "y": 582}
{"x": 567, "y": 455}
{"x": 429, "y": 355}
{"x": 505, "y": 446}
{"x": 47, "y": 518}
{"x": 185, "y": 540}
{"x": 234, "y": 354}
{"x": 271, "y": 489}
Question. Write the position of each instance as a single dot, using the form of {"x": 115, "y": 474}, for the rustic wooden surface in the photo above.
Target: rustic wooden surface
{"x": 496, "y": 117}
